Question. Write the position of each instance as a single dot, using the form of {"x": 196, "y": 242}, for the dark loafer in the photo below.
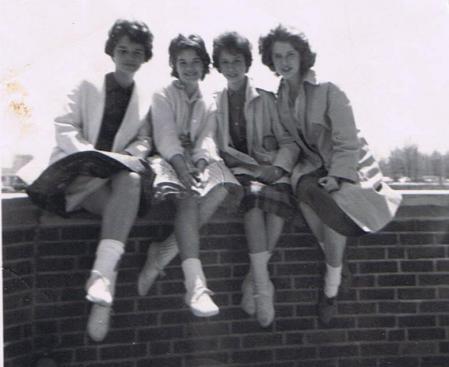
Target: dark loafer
{"x": 327, "y": 309}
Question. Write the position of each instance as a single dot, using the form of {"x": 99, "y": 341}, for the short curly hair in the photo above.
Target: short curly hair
{"x": 137, "y": 32}
{"x": 191, "y": 42}
{"x": 286, "y": 34}
{"x": 235, "y": 44}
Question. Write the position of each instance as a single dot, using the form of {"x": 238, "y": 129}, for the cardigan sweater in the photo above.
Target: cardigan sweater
{"x": 174, "y": 113}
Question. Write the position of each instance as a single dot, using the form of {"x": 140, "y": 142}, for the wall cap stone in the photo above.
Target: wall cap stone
{"x": 19, "y": 212}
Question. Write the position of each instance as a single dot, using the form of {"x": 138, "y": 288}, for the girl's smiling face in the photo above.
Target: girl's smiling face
{"x": 189, "y": 66}
{"x": 232, "y": 66}
{"x": 286, "y": 60}
{"x": 128, "y": 56}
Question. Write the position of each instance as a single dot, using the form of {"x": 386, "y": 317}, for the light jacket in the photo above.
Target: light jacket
{"x": 323, "y": 115}
{"x": 78, "y": 126}
{"x": 268, "y": 142}
{"x": 325, "y": 118}
{"x": 173, "y": 114}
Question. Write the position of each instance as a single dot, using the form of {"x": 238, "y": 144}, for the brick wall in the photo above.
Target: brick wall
{"x": 396, "y": 313}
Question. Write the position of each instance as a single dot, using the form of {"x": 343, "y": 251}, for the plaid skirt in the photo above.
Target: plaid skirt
{"x": 276, "y": 198}
{"x": 64, "y": 185}
{"x": 324, "y": 205}
{"x": 166, "y": 184}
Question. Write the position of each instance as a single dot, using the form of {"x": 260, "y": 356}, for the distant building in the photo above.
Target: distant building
{"x": 10, "y": 181}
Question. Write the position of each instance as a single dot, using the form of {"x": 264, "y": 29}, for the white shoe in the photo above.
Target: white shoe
{"x": 201, "y": 303}
{"x": 99, "y": 289}
{"x": 99, "y": 321}
{"x": 157, "y": 259}
{"x": 265, "y": 306}
{"x": 248, "y": 303}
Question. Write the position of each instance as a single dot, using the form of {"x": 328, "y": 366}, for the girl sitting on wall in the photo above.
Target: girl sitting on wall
{"x": 336, "y": 179}
{"x": 261, "y": 154}
{"x": 102, "y": 119}
{"x": 188, "y": 170}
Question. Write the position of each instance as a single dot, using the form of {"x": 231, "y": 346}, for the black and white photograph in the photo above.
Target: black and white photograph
{"x": 224, "y": 183}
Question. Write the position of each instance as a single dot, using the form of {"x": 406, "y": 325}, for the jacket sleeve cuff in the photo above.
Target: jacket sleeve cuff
{"x": 349, "y": 175}
{"x": 139, "y": 149}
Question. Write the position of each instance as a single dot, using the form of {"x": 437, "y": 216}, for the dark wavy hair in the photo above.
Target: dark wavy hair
{"x": 192, "y": 42}
{"x": 286, "y": 34}
{"x": 235, "y": 44}
{"x": 137, "y": 32}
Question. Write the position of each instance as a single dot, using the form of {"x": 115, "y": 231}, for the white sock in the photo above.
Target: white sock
{"x": 168, "y": 249}
{"x": 108, "y": 255}
{"x": 259, "y": 269}
{"x": 332, "y": 280}
{"x": 193, "y": 273}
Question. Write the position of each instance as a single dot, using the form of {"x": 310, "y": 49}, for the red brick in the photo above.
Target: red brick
{"x": 356, "y": 308}
{"x": 195, "y": 345}
{"x": 294, "y": 324}
{"x": 442, "y": 265}
{"x": 297, "y": 353}
{"x": 202, "y": 327}
{"x": 426, "y": 252}
{"x": 376, "y": 321}
{"x": 252, "y": 356}
{"x": 419, "y": 348}
{"x": 325, "y": 337}
{"x": 396, "y": 335}
{"x": 417, "y": 320}
{"x": 125, "y": 351}
{"x": 433, "y": 279}
{"x": 366, "y": 253}
{"x": 378, "y": 267}
{"x": 395, "y": 253}
{"x": 339, "y": 351}
{"x": 55, "y": 264}
{"x": 159, "y": 348}
{"x": 379, "y": 239}
{"x": 366, "y": 335}
{"x": 416, "y": 293}
{"x": 437, "y": 306}
{"x": 17, "y": 251}
{"x": 426, "y": 333}
{"x": 440, "y": 361}
{"x": 80, "y": 233}
{"x": 396, "y": 280}
{"x": 358, "y": 362}
{"x": 416, "y": 238}
{"x": 399, "y": 362}
{"x": 397, "y": 307}
{"x": 379, "y": 349}
{"x": 417, "y": 266}
{"x": 86, "y": 354}
{"x": 376, "y": 294}
{"x": 269, "y": 340}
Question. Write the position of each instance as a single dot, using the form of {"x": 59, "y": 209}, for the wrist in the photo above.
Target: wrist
{"x": 279, "y": 171}
{"x": 201, "y": 163}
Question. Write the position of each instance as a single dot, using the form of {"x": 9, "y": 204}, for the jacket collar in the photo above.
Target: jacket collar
{"x": 250, "y": 91}
{"x": 309, "y": 78}
{"x": 180, "y": 86}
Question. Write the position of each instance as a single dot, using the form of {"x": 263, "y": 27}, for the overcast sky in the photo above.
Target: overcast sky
{"x": 390, "y": 56}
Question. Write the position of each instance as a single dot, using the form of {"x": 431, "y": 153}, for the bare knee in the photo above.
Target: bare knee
{"x": 217, "y": 195}
{"x": 128, "y": 182}
{"x": 188, "y": 203}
